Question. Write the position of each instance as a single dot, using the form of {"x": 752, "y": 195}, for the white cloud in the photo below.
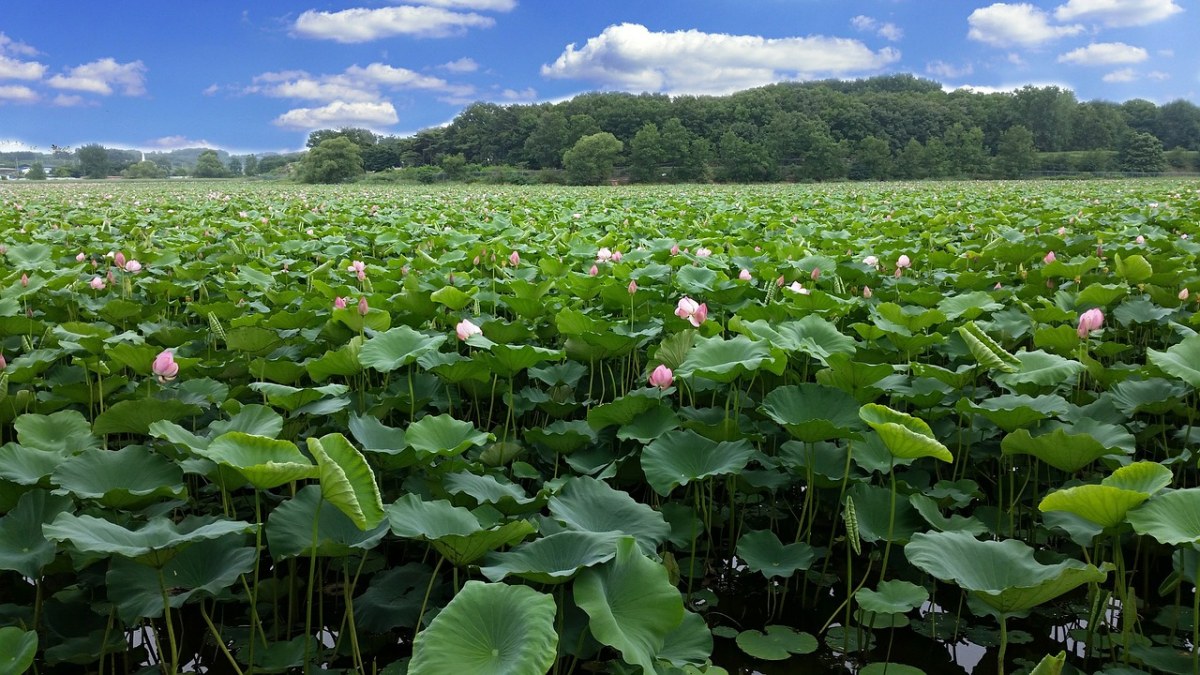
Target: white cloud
{"x": 101, "y": 76}
{"x": 479, "y": 5}
{"x": 363, "y": 25}
{"x": 1122, "y": 75}
{"x": 631, "y": 57}
{"x": 340, "y": 114}
{"x": 211, "y": 90}
{"x": 1005, "y": 88}
{"x": 525, "y": 95}
{"x": 1104, "y": 54}
{"x": 1016, "y": 59}
{"x": 68, "y": 100}
{"x": 463, "y": 65}
{"x": 355, "y": 84}
{"x": 947, "y": 70}
{"x": 1158, "y": 75}
{"x": 18, "y": 93}
{"x": 1114, "y": 13}
{"x": 14, "y": 69}
{"x": 1003, "y": 25}
{"x": 887, "y": 31}
{"x": 11, "y": 46}
{"x": 177, "y": 142}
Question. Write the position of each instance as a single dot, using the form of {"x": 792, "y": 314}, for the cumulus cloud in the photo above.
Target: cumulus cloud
{"x": 631, "y": 57}
{"x": 1116, "y": 13}
{"x": 1122, "y": 75}
{"x": 340, "y": 114}
{"x": 103, "y": 77}
{"x": 355, "y": 84}
{"x": 11, "y": 46}
{"x": 479, "y": 5}
{"x": 463, "y": 65}
{"x": 359, "y": 24}
{"x": 1104, "y": 54}
{"x": 1004, "y": 25}
{"x": 887, "y": 31}
{"x": 948, "y": 70}
{"x": 15, "y": 69}
{"x": 17, "y": 93}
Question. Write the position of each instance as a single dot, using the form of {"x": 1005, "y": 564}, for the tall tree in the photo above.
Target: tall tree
{"x": 250, "y": 165}
{"x": 208, "y": 165}
{"x": 645, "y": 154}
{"x": 335, "y": 160}
{"x": 545, "y": 145}
{"x": 1016, "y": 154}
{"x": 1142, "y": 153}
{"x": 590, "y": 160}
{"x": 965, "y": 153}
{"x": 93, "y": 161}
{"x": 363, "y": 138}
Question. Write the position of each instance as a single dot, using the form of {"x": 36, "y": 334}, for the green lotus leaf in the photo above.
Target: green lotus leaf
{"x": 17, "y": 650}
{"x": 376, "y": 319}
{"x": 1155, "y": 396}
{"x": 1102, "y": 504}
{"x": 873, "y": 510}
{"x": 23, "y": 546}
{"x": 970, "y": 305}
{"x": 810, "y": 335}
{"x": 650, "y": 425}
{"x": 1140, "y": 310}
{"x": 724, "y": 360}
{"x": 881, "y": 668}
{"x": 128, "y": 478}
{"x": 489, "y": 629}
{"x": 29, "y": 257}
{"x": 813, "y": 412}
{"x": 590, "y": 505}
{"x": 1181, "y": 361}
{"x": 265, "y": 462}
{"x": 205, "y": 568}
{"x": 413, "y": 518}
{"x": 135, "y": 417}
{"x": 1134, "y": 269}
{"x": 1003, "y": 574}
{"x": 1040, "y": 369}
{"x": 1064, "y": 450}
{"x": 1101, "y": 295}
{"x": 859, "y": 379}
{"x": 254, "y": 419}
{"x": 1013, "y": 411}
{"x": 444, "y": 435}
{"x": 1050, "y": 665}
{"x": 27, "y": 466}
{"x": 905, "y": 436}
{"x": 679, "y": 457}
{"x": 1172, "y": 518}
{"x": 762, "y": 552}
{"x": 891, "y": 597}
{"x": 906, "y": 320}
{"x": 154, "y": 544}
{"x": 689, "y": 644}
{"x": 507, "y": 498}
{"x": 290, "y": 529}
{"x": 1147, "y": 477}
{"x": 508, "y": 360}
{"x": 347, "y": 481}
{"x": 254, "y": 340}
{"x": 631, "y": 605}
{"x": 778, "y": 643}
{"x": 397, "y": 347}
{"x": 562, "y": 436}
{"x": 375, "y": 436}
{"x": 624, "y": 409}
{"x": 554, "y": 559}
{"x": 987, "y": 351}
{"x": 65, "y": 432}
{"x": 452, "y": 297}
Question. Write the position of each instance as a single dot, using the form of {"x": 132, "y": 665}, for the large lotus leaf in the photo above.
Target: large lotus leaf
{"x": 1181, "y": 361}
{"x": 292, "y": 399}
{"x": 762, "y": 552}
{"x": 891, "y": 597}
{"x": 724, "y": 360}
{"x": 987, "y": 351}
{"x": 376, "y": 319}
{"x": 254, "y": 419}
{"x": 347, "y": 481}
{"x": 690, "y": 643}
{"x": 778, "y": 643}
{"x": 1173, "y": 518}
{"x": 1102, "y": 504}
{"x": 265, "y": 462}
{"x": 394, "y": 598}
{"x": 1134, "y": 269}
{"x": 65, "y": 431}
{"x": 1140, "y": 310}
{"x": 467, "y": 549}
{"x": 1013, "y": 411}
{"x": 341, "y": 362}
{"x": 1068, "y": 447}
{"x": 857, "y": 378}
{"x": 811, "y": 335}
{"x": 290, "y": 528}
{"x": 650, "y": 425}
{"x": 173, "y": 433}
{"x": 679, "y": 457}
{"x": 206, "y": 568}
{"x": 397, "y": 347}
{"x": 591, "y": 505}
{"x": 508, "y": 360}
{"x": 873, "y": 510}
{"x": 1003, "y": 574}
{"x": 1038, "y": 370}
{"x": 562, "y": 436}
{"x": 554, "y": 559}
{"x": 624, "y": 409}
{"x": 631, "y": 605}
{"x": 813, "y": 412}
{"x": 1155, "y": 396}
{"x": 443, "y": 435}
{"x": 135, "y": 417}
{"x": 507, "y": 498}
{"x": 412, "y": 518}
{"x": 23, "y": 546}
{"x": 27, "y": 466}
{"x": 928, "y": 508}
{"x": 905, "y": 436}
{"x": 1147, "y": 477}
{"x": 969, "y": 305}
{"x": 489, "y": 629}
{"x": 128, "y": 478}
{"x": 29, "y": 257}
{"x": 154, "y": 544}
{"x": 375, "y": 436}
{"x": 17, "y": 650}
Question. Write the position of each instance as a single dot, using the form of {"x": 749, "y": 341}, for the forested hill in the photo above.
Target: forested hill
{"x": 885, "y": 127}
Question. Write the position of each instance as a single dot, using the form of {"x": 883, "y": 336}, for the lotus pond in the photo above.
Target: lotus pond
{"x": 896, "y": 428}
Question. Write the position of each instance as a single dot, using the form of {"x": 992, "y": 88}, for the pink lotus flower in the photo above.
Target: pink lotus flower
{"x": 339, "y": 303}
{"x": 616, "y": 257}
{"x": 1089, "y": 321}
{"x": 604, "y": 255}
{"x": 466, "y": 329}
{"x": 24, "y": 279}
{"x": 797, "y": 288}
{"x": 593, "y": 271}
{"x": 703, "y": 252}
{"x": 675, "y": 249}
{"x": 867, "y": 292}
{"x": 96, "y": 283}
{"x": 632, "y": 287}
{"x": 1184, "y": 294}
{"x": 164, "y": 366}
{"x": 81, "y": 257}
{"x": 690, "y": 310}
{"x": 119, "y": 259}
{"x": 133, "y": 267}
{"x": 996, "y": 287}
{"x": 779, "y": 282}
{"x": 309, "y": 232}
{"x": 1140, "y": 240}
{"x": 3, "y": 363}
{"x": 662, "y": 377}
{"x": 514, "y": 259}
{"x": 816, "y": 273}
{"x": 359, "y": 268}
{"x": 363, "y": 308}
{"x": 903, "y": 262}
{"x": 744, "y": 275}
{"x": 1062, "y": 231}
{"x": 1050, "y": 257}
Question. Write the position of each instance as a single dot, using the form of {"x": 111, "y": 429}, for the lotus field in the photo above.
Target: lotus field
{"x": 895, "y": 428}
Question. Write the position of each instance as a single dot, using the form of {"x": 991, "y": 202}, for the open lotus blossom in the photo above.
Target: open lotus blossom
{"x": 164, "y": 366}
{"x": 133, "y": 267}
{"x": 81, "y": 257}
{"x": 695, "y": 313}
{"x": 662, "y": 377}
{"x": 703, "y": 252}
{"x": 359, "y": 268}
{"x": 867, "y": 292}
{"x": 514, "y": 259}
{"x": 744, "y": 275}
{"x": 1049, "y": 258}
{"x": 604, "y": 255}
{"x": 797, "y": 288}
{"x": 96, "y": 283}
{"x": 466, "y": 329}
{"x": 1140, "y": 240}
{"x": 903, "y": 262}
{"x": 593, "y": 271}
{"x": 363, "y": 308}
{"x": 1184, "y": 294}
{"x": 339, "y": 303}
{"x": 1089, "y": 321}
{"x": 632, "y": 287}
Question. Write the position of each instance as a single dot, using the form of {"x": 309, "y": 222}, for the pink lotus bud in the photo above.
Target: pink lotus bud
{"x": 339, "y": 303}
{"x": 1099, "y": 250}
{"x": 744, "y": 275}
{"x": 119, "y": 259}
{"x": 514, "y": 259}
{"x": 3, "y": 363}
{"x": 903, "y": 262}
{"x": 593, "y": 271}
{"x": 1089, "y": 321}
{"x": 466, "y": 329}
{"x": 632, "y": 287}
{"x": 675, "y": 249}
{"x": 779, "y": 282}
{"x": 1140, "y": 240}
{"x": 24, "y": 279}
{"x": 309, "y": 232}
{"x": 1049, "y": 258}
{"x": 111, "y": 279}
{"x": 1184, "y": 294}
{"x": 96, "y": 283}
{"x": 816, "y": 273}
{"x": 476, "y": 261}
{"x": 81, "y": 257}
{"x": 1062, "y": 231}
{"x": 616, "y": 257}
{"x": 358, "y": 267}
{"x": 133, "y": 266}
{"x": 899, "y": 272}
{"x": 996, "y": 287}
{"x": 164, "y": 366}
{"x": 662, "y": 377}
{"x": 362, "y": 306}
{"x": 867, "y": 292}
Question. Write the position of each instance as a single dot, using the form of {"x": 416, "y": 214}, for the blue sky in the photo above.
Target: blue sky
{"x": 258, "y": 76}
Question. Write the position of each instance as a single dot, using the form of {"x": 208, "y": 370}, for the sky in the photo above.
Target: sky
{"x": 258, "y": 76}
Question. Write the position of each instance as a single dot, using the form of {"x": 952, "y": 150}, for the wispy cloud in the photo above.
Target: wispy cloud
{"x": 1117, "y": 13}
{"x": 885, "y": 30}
{"x": 1104, "y": 54}
{"x": 104, "y": 76}
{"x": 364, "y": 25}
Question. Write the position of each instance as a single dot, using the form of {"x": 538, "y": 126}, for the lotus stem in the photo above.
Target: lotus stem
{"x": 174, "y": 657}
{"x": 221, "y": 641}
{"x": 428, "y": 590}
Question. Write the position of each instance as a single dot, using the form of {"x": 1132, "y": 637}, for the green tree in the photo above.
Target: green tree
{"x": 910, "y": 162}
{"x": 36, "y": 172}
{"x": 675, "y": 140}
{"x": 363, "y": 138}
{"x": 964, "y": 149}
{"x": 549, "y": 139}
{"x": 234, "y": 166}
{"x": 697, "y": 163}
{"x": 872, "y": 159}
{"x": 743, "y": 161}
{"x": 250, "y": 165}
{"x": 1015, "y": 154}
{"x": 93, "y": 161}
{"x": 455, "y": 166}
{"x": 1141, "y": 152}
{"x": 645, "y": 154}
{"x": 590, "y": 160}
{"x": 336, "y": 160}
{"x": 208, "y": 165}
{"x": 145, "y": 169}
